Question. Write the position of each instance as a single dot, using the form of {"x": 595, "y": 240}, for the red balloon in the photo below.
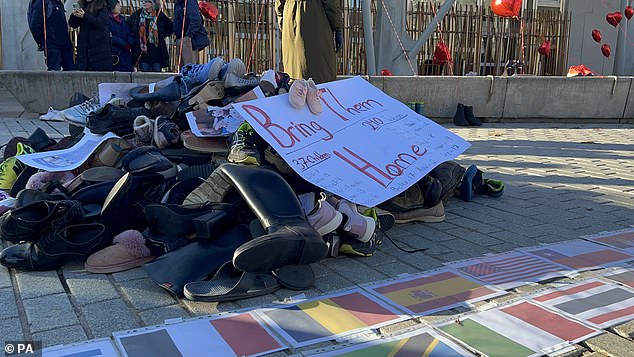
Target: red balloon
{"x": 544, "y": 49}
{"x": 506, "y": 8}
{"x": 606, "y": 50}
{"x": 596, "y": 35}
{"x": 629, "y": 12}
{"x": 614, "y": 18}
{"x": 386, "y": 72}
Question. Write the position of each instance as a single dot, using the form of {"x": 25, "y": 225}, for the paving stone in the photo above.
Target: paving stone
{"x": 611, "y": 345}
{"x": 60, "y": 336}
{"x": 5, "y": 278}
{"x": 38, "y": 283}
{"x": 131, "y": 274}
{"x": 49, "y": 312}
{"x": 626, "y": 329}
{"x": 159, "y": 315}
{"x": 396, "y": 268}
{"x": 11, "y": 330}
{"x": 106, "y": 317}
{"x": 475, "y": 237}
{"x": 88, "y": 289}
{"x": 144, "y": 294}
{"x": 504, "y": 247}
{"x": 354, "y": 270}
{"x": 7, "y": 301}
{"x": 332, "y": 283}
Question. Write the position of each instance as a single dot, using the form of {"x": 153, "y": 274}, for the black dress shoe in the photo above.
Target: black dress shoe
{"x": 56, "y": 248}
{"x": 29, "y": 222}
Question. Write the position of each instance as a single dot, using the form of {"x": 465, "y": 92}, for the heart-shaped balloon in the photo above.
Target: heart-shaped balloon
{"x": 596, "y": 35}
{"x": 614, "y": 18}
{"x": 606, "y": 50}
{"x": 506, "y": 8}
{"x": 544, "y": 49}
{"x": 629, "y": 12}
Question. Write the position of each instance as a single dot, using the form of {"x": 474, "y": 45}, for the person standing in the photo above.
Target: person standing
{"x": 93, "y": 42}
{"x": 149, "y": 27}
{"x": 54, "y": 40}
{"x": 311, "y": 36}
{"x": 121, "y": 40}
{"x": 191, "y": 35}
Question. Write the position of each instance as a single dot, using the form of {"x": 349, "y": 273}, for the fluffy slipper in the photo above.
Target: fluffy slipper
{"x": 38, "y": 180}
{"x": 230, "y": 284}
{"x": 129, "y": 251}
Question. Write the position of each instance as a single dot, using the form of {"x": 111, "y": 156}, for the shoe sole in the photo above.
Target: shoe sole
{"x": 114, "y": 268}
{"x": 214, "y": 189}
{"x": 332, "y": 225}
{"x": 249, "y": 160}
{"x": 115, "y": 191}
{"x": 424, "y": 219}
{"x": 211, "y": 91}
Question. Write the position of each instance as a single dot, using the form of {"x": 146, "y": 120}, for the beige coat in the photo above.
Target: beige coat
{"x": 308, "y": 46}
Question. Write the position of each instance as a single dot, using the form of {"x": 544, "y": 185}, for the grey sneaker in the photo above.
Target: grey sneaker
{"x": 426, "y": 215}
{"x": 78, "y": 114}
{"x": 323, "y": 216}
{"x": 243, "y": 148}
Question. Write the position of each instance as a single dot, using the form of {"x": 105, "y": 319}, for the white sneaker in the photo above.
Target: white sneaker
{"x": 52, "y": 115}
{"x": 268, "y": 84}
{"x": 313, "y": 97}
{"x": 355, "y": 224}
{"x": 322, "y": 215}
{"x": 79, "y": 114}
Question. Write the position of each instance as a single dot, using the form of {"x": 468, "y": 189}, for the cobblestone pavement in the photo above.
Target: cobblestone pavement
{"x": 562, "y": 181}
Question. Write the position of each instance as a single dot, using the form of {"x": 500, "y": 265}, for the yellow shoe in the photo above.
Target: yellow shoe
{"x": 12, "y": 167}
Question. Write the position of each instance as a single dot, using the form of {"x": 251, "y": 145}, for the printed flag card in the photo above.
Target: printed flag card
{"x": 622, "y": 275}
{"x": 509, "y": 270}
{"x": 623, "y": 239}
{"x": 227, "y": 335}
{"x": 329, "y": 317}
{"x": 434, "y": 291}
{"x": 420, "y": 342}
{"x": 597, "y": 303}
{"x": 95, "y": 348}
{"x": 521, "y": 329}
{"x": 579, "y": 254}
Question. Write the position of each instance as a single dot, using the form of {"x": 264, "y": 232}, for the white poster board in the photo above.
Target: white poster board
{"x": 365, "y": 146}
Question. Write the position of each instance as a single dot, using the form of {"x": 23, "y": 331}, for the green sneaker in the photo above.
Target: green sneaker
{"x": 243, "y": 148}
{"x": 12, "y": 167}
{"x": 352, "y": 246}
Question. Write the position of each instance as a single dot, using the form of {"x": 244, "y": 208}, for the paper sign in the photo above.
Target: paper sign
{"x": 365, "y": 146}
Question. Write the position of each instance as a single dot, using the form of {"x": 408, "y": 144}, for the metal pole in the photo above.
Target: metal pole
{"x": 369, "y": 39}
{"x": 619, "y": 58}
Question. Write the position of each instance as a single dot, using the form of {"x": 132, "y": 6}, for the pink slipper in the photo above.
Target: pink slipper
{"x": 129, "y": 251}
{"x": 38, "y": 180}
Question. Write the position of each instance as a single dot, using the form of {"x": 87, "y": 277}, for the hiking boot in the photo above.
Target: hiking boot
{"x": 56, "y": 248}
{"x": 297, "y": 94}
{"x": 166, "y": 133}
{"x": 426, "y": 215}
{"x": 268, "y": 84}
{"x": 322, "y": 215}
{"x": 459, "y": 118}
{"x": 243, "y": 147}
{"x": 52, "y": 115}
{"x": 313, "y": 98}
{"x": 11, "y": 168}
{"x": 449, "y": 174}
{"x": 353, "y": 246}
{"x": 197, "y": 74}
{"x": 78, "y": 114}
{"x": 468, "y": 113}
{"x": 355, "y": 224}
{"x": 143, "y": 130}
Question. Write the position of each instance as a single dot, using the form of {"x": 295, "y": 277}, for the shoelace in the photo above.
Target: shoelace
{"x": 245, "y": 138}
{"x": 89, "y": 105}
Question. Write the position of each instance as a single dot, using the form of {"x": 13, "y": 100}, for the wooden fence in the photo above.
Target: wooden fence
{"x": 479, "y": 42}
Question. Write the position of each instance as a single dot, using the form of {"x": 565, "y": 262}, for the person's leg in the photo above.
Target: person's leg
{"x": 68, "y": 62}
{"x": 145, "y": 67}
{"x": 188, "y": 53}
{"x": 53, "y": 58}
{"x": 156, "y": 67}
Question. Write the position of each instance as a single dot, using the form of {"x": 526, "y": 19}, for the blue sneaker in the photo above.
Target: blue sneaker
{"x": 197, "y": 74}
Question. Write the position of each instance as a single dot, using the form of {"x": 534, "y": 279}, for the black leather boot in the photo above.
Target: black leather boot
{"x": 468, "y": 113}
{"x": 289, "y": 238}
{"x": 459, "y": 118}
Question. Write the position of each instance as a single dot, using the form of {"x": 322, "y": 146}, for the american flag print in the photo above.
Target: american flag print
{"x": 509, "y": 270}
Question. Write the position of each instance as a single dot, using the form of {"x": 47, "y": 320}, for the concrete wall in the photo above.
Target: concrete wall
{"x": 608, "y": 99}
{"x": 588, "y": 15}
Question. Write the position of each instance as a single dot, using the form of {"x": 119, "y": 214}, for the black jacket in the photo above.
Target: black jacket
{"x": 194, "y": 27}
{"x": 56, "y": 26}
{"x": 164, "y": 29}
{"x": 93, "y": 42}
